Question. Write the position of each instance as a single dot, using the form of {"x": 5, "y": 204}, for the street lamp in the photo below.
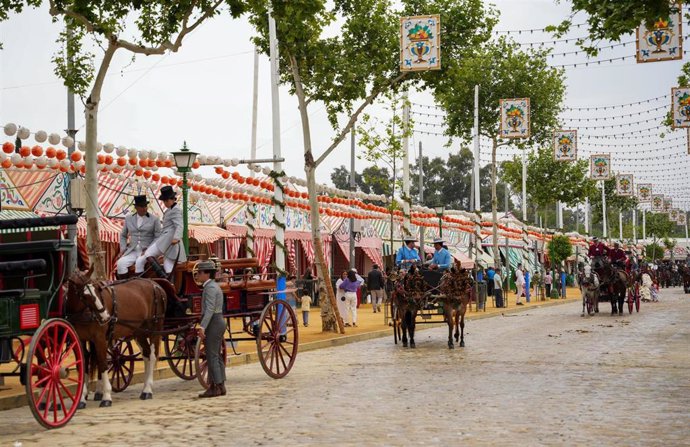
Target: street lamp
{"x": 439, "y": 213}
{"x": 184, "y": 159}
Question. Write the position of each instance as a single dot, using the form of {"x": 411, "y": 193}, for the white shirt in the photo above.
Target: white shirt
{"x": 519, "y": 277}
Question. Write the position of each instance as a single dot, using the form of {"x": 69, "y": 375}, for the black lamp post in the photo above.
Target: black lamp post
{"x": 184, "y": 159}
{"x": 439, "y": 213}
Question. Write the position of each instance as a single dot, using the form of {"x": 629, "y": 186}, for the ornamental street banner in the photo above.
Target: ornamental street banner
{"x": 644, "y": 192}
{"x": 657, "y": 202}
{"x": 514, "y": 118}
{"x": 682, "y": 218}
{"x": 680, "y": 107}
{"x": 624, "y": 184}
{"x": 668, "y": 204}
{"x": 600, "y": 166}
{"x": 420, "y": 43}
{"x": 663, "y": 41}
{"x": 565, "y": 145}
{"x": 673, "y": 215}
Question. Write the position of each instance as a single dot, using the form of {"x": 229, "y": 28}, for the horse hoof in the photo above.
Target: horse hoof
{"x": 404, "y": 344}
{"x": 106, "y": 403}
{"x": 412, "y": 345}
{"x": 81, "y": 405}
{"x": 462, "y": 344}
{"x": 146, "y": 396}
{"x": 450, "y": 345}
{"x": 98, "y": 396}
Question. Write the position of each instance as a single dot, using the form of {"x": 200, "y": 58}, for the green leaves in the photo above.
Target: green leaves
{"x": 559, "y": 248}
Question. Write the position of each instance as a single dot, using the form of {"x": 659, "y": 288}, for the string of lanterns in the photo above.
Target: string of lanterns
{"x": 613, "y": 117}
{"x": 534, "y": 30}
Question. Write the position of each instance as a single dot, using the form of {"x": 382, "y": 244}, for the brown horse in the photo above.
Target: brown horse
{"x": 408, "y": 297}
{"x": 457, "y": 286}
{"x": 614, "y": 285}
{"x": 108, "y": 311}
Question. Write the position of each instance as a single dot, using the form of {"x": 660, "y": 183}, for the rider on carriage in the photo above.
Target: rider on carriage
{"x": 597, "y": 248}
{"x": 441, "y": 260}
{"x": 407, "y": 255}
{"x": 617, "y": 256}
{"x": 142, "y": 229}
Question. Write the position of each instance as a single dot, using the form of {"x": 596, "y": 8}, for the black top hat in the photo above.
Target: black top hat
{"x": 140, "y": 201}
{"x": 167, "y": 193}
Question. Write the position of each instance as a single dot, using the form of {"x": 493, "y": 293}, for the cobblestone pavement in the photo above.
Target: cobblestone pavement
{"x": 545, "y": 376}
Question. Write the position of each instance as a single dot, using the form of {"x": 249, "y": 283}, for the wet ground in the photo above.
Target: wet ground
{"x": 545, "y": 376}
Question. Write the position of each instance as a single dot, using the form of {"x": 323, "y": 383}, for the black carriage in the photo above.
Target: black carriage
{"x": 40, "y": 346}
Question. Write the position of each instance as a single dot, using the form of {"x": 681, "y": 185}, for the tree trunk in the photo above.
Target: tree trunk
{"x": 330, "y": 317}
{"x": 494, "y": 205}
{"x": 93, "y": 240}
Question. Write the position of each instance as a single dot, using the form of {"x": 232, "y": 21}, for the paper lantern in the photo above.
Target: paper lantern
{"x": 108, "y": 148}
{"x": 7, "y": 163}
{"x": 68, "y": 141}
{"x": 24, "y": 151}
{"x": 121, "y": 151}
{"x": 81, "y": 145}
{"x": 201, "y": 159}
{"x": 28, "y": 161}
{"x": 234, "y": 162}
{"x": 99, "y": 146}
{"x": 60, "y": 154}
{"x": 132, "y": 153}
{"x": 54, "y": 138}
{"x": 23, "y": 133}
{"x": 16, "y": 159}
{"x": 76, "y": 156}
{"x": 266, "y": 170}
{"x": 37, "y": 151}
{"x": 7, "y": 147}
{"x": 51, "y": 152}
{"x": 10, "y": 129}
{"x": 41, "y": 136}
{"x": 143, "y": 154}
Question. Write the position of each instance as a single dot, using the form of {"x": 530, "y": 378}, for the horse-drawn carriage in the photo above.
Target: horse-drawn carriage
{"x": 34, "y": 335}
{"x": 432, "y": 297}
{"x": 616, "y": 285}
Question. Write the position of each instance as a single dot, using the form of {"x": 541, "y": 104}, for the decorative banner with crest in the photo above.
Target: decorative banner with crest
{"x": 565, "y": 145}
{"x": 682, "y": 218}
{"x": 680, "y": 107}
{"x": 420, "y": 43}
{"x": 673, "y": 215}
{"x": 668, "y": 204}
{"x": 515, "y": 119}
{"x": 600, "y": 166}
{"x": 657, "y": 202}
{"x": 624, "y": 184}
{"x": 663, "y": 41}
{"x": 644, "y": 192}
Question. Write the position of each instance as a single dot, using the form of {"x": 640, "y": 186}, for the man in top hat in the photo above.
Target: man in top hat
{"x": 441, "y": 259}
{"x": 142, "y": 228}
{"x": 212, "y": 327}
{"x": 407, "y": 254}
{"x": 617, "y": 256}
{"x": 597, "y": 249}
{"x": 168, "y": 243}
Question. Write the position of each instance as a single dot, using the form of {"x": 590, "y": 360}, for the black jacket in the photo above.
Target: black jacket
{"x": 375, "y": 280}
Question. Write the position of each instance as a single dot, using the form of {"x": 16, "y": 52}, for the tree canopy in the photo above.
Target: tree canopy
{"x": 560, "y": 248}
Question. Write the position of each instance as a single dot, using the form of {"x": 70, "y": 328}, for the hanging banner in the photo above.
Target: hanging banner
{"x": 514, "y": 118}
{"x": 682, "y": 218}
{"x": 420, "y": 43}
{"x": 624, "y": 184}
{"x": 565, "y": 145}
{"x": 657, "y": 203}
{"x": 663, "y": 41}
{"x": 673, "y": 215}
{"x": 680, "y": 107}
{"x": 600, "y": 166}
{"x": 644, "y": 192}
{"x": 668, "y": 204}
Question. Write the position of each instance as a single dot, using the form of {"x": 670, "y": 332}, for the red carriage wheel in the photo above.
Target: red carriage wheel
{"x": 637, "y": 297}
{"x": 394, "y": 323}
{"x": 121, "y": 358}
{"x": 179, "y": 349}
{"x": 277, "y": 338}
{"x": 631, "y": 299}
{"x": 55, "y": 373}
{"x": 201, "y": 364}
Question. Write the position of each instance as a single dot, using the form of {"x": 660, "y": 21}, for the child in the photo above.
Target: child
{"x": 306, "y": 306}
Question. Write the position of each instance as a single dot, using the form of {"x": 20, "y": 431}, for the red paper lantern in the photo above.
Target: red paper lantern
{"x": 24, "y": 151}
{"x": 76, "y": 156}
{"x": 7, "y": 147}
{"x": 143, "y": 163}
{"x": 7, "y": 163}
{"x": 225, "y": 175}
{"x": 108, "y": 159}
{"x": 132, "y": 161}
{"x": 147, "y": 174}
{"x": 100, "y": 159}
{"x": 37, "y": 151}
{"x": 60, "y": 154}
{"x": 121, "y": 161}
{"x": 195, "y": 165}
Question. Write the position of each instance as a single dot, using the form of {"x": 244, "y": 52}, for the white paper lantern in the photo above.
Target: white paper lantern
{"x": 201, "y": 159}
{"x": 15, "y": 159}
{"x": 54, "y": 138}
{"x": 226, "y": 163}
{"x": 144, "y": 154}
{"x": 132, "y": 153}
{"x": 99, "y": 146}
{"x": 28, "y": 160}
{"x": 10, "y": 129}
{"x": 3, "y": 156}
{"x": 78, "y": 164}
{"x": 162, "y": 156}
{"x": 42, "y": 161}
{"x": 257, "y": 169}
{"x": 266, "y": 170}
{"x": 40, "y": 136}
{"x": 53, "y": 162}
{"x": 65, "y": 164}
{"x": 153, "y": 155}
{"x": 108, "y": 148}
{"x": 81, "y": 145}
{"x": 234, "y": 162}
{"x": 23, "y": 133}
{"x": 68, "y": 142}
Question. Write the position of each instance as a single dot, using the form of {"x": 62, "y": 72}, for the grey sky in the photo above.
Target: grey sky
{"x": 203, "y": 95}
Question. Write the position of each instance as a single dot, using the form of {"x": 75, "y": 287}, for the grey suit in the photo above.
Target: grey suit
{"x": 141, "y": 236}
{"x": 172, "y": 229}
{"x": 214, "y": 327}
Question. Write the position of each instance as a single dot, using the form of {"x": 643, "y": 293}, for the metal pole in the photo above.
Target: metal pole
{"x": 440, "y": 225}
{"x": 72, "y": 132}
{"x": 255, "y": 106}
{"x": 353, "y": 187}
{"x": 559, "y": 215}
{"x": 277, "y": 165}
{"x": 620, "y": 225}
{"x": 603, "y": 210}
{"x": 475, "y": 171}
{"x": 634, "y": 222}
{"x": 524, "y": 185}
{"x": 644, "y": 224}
{"x": 420, "y": 164}
{"x": 587, "y": 229}
{"x": 185, "y": 230}
{"x": 406, "y": 166}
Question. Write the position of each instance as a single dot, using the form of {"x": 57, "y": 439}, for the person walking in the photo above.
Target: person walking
{"x": 142, "y": 229}
{"x": 212, "y": 328}
{"x": 376, "y": 286}
{"x": 498, "y": 288}
{"x": 490, "y": 272}
{"x": 168, "y": 242}
{"x": 548, "y": 281}
{"x": 340, "y": 296}
{"x": 350, "y": 285}
{"x": 306, "y": 307}
{"x": 520, "y": 284}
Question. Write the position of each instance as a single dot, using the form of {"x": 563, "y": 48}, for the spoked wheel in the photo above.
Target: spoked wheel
{"x": 631, "y": 299}
{"x": 200, "y": 363}
{"x": 121, "y": 357}
{"x": 395, "y": 324}
{"x": 637, "y": 297}
{"x": 277, "y": 338}
{"x": 55, "y": 373}
{"x": 179, "y": 349}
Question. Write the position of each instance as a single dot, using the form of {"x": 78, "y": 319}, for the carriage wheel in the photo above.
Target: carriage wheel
{"x": 394, "y": 322}
{"x": 179, "y": 350}
{"x": 201, "y": 364}
{"x": 121, "y": 357}
{"x": 637, "y": 297}
{"x": 55, "y": 373}
{"x": 277, "y": 338}
{"x": 631, "y": 299}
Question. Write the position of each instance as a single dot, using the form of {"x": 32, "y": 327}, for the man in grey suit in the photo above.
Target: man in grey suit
{"x": 168, "y": 242}
{"x": 142, "y": 228}
{"x": 212, "y": 327}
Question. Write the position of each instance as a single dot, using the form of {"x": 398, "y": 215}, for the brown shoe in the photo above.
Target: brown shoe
{"x": 211, "y": 391}
{"x": 221, "y": 389}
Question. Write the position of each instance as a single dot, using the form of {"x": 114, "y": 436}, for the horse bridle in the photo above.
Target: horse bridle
{"x": 96, "y": 305}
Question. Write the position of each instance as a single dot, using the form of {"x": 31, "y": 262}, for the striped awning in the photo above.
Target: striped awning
{"x": 21, "y": 214}
{"x": 206, "y": 234}
{"x": 108, "y": 229}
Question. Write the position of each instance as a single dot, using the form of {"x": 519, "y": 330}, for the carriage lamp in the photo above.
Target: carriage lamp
{"x": 439, "y": 213}
{"x": 184, "y": 159}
